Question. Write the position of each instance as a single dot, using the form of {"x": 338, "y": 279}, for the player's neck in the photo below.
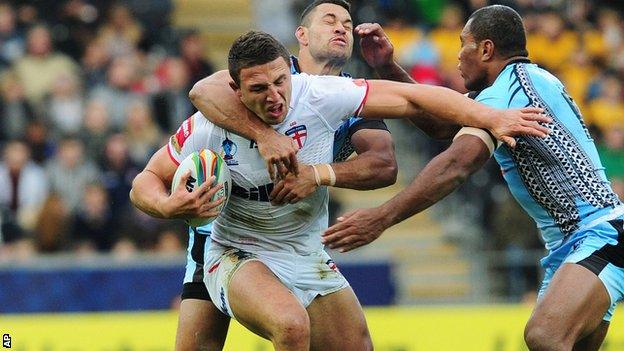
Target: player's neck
{"x": 500, "y": 66}
{"x": 310, "y": 66}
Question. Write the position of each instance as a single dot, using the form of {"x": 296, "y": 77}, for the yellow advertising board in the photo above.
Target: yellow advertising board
{"x": 466, "y": 328}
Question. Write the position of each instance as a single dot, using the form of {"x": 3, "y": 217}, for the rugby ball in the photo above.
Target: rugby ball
{"x": 203, "y": 164}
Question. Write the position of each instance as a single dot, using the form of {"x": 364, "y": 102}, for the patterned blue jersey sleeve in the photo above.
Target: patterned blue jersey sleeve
{"x": 343, "y": 147}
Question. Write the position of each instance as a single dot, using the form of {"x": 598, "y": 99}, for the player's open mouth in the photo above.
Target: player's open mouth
{"x": 276, "y": 110}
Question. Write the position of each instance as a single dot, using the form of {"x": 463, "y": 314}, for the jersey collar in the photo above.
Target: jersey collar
{"x": 518, "y": 60}
{"x": 474, "y": 94}
{"x": 296, "y": 69}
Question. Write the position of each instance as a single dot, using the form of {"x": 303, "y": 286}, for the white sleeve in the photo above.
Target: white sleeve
{"x": 194, "y": 134}
{"x": 335, "y": 99}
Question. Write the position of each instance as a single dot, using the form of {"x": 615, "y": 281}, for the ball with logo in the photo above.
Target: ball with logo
{"x": 204, "y": 164}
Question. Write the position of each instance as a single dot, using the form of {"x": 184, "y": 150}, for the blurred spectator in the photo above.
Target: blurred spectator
{"x": 65, "y": 106}
{"x": 118, "y": 173}
{"x": 281, "y": 27}
{"x": 121, "y": 32}
{"x": 52, "y": 224}
{"x": 156, "y": 15}
{"x": 577, "y": 75}
{"x": 609, "y": 24}
{"x": 169, "y": 243}
{"x": 95, "y": 130}
{"x": 423, "y": 58}
{"x": 74, "y": 27}
{"x": 445, "y": 37}
{"x": 172, "y": 105}
{"x": 143, "y": 135}
{"x": 144, "y": 231}
{"x": 41, "y": 147}
{"x": 403, "y": 37}
{"x": 11, "y": 41}
{"x": 70, "y": 172}
{"x": 94, "y": 64}
{"x": 27, "y": 14}
{"x": 10, "y": 231}
{"x": 552, "y": 45}
{"x": 15, "y": 111}
{"x": 117, "y": 95}
{"x": 192, "y": 52}
{"x": 24, "y": 186}
{"x": 608, "y": 109}
{"x": 124, "y": 249}
{"x": 92, "y": 224}
{"x": 41, "y": 67}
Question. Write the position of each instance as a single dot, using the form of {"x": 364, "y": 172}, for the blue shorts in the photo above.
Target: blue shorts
{"x": 600, "y": 249}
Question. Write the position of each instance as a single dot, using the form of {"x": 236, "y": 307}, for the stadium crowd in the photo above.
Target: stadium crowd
{"x": 90, "y": 89}
{"x": 88, "y": 93}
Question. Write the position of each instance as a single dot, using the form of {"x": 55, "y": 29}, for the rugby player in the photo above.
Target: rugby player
{"x": 558, "y": 180}
{"x": 201, "y": 325}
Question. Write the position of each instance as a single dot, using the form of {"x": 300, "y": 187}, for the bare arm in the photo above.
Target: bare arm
{"x": 400, "y": 100}
{"x": 213, "y": 97}
{"x": 440, "y": 177}
{"x": 217, "y": 102}
{"x": 375, "y": 164}
{"x": 150, "y": 192}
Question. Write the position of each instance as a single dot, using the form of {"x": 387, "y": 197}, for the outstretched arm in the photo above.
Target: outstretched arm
{"x": 400, "y": 100}
{"x": 213, "y": 97}
{"x": 440, "y": 177}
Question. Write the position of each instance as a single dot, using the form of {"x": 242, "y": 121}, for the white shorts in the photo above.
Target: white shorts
{"x": 306, "y": 276}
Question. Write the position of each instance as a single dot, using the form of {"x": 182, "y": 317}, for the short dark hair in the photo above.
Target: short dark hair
{"x": 252, "y": 49}
{"x": 306, "y": 12}
{"x": 503, "y": 26}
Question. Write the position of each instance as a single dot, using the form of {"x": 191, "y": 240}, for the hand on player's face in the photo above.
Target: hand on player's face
{"x": 354, "y": 229}
{"x": 528, "y": 121}
{"x": 376, "y": 46}
{"x": 292, "y": 189}
{"x": 195, "y": 204}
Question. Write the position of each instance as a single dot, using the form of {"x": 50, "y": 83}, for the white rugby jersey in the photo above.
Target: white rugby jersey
{"x": 318, "y": 106}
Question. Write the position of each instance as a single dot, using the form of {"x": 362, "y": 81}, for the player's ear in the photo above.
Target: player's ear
{"x": 302, "y": 35}
{"x": 487, "y": 49}
{"x": 235, "y": 87}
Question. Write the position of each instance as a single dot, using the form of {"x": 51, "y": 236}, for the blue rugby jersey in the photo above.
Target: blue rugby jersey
{"x": 559, "y": 180}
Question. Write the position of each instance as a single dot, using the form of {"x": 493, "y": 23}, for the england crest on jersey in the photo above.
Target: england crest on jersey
{"x": 299, "y": 134}
{"x": 229, "y": 150}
